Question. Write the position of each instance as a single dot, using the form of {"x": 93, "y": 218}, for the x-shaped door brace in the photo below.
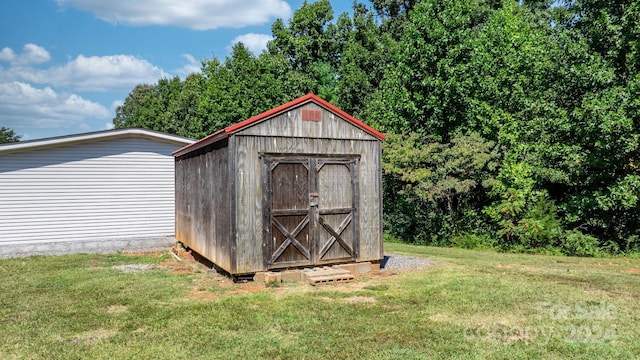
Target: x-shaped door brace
{"x": 335, "y": 235}
{"x": 291, "y": 238}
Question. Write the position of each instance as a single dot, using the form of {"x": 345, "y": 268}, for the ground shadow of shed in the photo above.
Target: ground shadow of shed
{"x": 299, "y": 185}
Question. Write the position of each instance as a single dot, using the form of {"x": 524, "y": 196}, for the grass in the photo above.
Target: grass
{"x": 468, "y": 304}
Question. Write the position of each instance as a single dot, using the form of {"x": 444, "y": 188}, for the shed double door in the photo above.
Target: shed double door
{"x": 310, "y": 210}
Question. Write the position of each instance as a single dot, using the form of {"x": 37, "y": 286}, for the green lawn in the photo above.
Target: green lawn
{"x": 468, "y": 304}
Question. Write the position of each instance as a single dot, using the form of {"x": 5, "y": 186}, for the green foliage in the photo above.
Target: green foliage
{"x": 525, "y": 220}
{"x": 170, "y": 106}
{"x": 225, "y": 93}
{"x": 439, "y": 184}
{"x": 612, "y": 29}
{"x": 364, "y": 59}
{"x": 388, "y": 238}
{"x": 243, "y": 86}
{"x": 472, "y": 241}
{"x": 520, "y": 120}
{"x": 309, "y": 37}
{"x": 8, "y": 136}
{"x": 576, "y": 243}
{"x": 566, "y": 133}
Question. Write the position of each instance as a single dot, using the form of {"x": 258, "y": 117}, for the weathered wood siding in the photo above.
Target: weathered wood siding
{"x": 245, "y": 215}
{"x": 203, "y": 204}
{"x": 114, "y": 189}
{"x": 249, "y": 196}
{"x": 291, "y": 124}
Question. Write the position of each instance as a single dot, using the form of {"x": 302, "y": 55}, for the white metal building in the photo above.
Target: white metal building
{"x": 94, "y": 192}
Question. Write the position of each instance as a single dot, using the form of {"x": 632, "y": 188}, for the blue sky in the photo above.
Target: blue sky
{"x": 65, "y": 65}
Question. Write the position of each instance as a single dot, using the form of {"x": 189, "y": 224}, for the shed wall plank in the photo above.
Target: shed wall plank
{"x": 203, "y": 205}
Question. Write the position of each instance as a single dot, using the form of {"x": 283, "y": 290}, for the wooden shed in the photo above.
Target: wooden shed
{"x": 299, "y": 185}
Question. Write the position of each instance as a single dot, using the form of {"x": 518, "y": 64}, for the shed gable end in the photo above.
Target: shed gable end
{"x": 308, "y": 120}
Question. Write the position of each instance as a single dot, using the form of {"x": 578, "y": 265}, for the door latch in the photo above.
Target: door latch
{"x": 313, "y": 199}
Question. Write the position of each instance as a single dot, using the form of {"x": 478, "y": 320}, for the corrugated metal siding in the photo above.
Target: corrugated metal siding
{"x": 120, "y": 188}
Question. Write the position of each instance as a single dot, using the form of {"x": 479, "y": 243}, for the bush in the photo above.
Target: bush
{"x": 632, "y": 244}
{"x": 576, "y": 243}
{"x": 388, "y": 238}
{"x": 472, "y": 241}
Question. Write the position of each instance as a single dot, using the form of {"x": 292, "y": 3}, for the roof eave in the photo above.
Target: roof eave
{"x": 206, "y": 141}
{"x": 92, "y": 136}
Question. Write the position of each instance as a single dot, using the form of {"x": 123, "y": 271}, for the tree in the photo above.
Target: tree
{"x": 440, "y": 184}
{"x": 393, "y": 15}
{"x": 8, "y": 136}
{"x": 244, "y": 85}
{"x": 427, "y": 91}
{"x": 312, "y": 46}
{"x": 612, "y": 29}
{"x": 364, "y": 59}
{"x": 225, "y": 93}
{"x": 309, "y": 37}
{"x": 519, "y": 119}
{"x": 154, "y": 107}
{"x": 568, "y": 135}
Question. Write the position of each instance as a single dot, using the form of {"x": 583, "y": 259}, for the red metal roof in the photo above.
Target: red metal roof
{"x": 229, "y": 130}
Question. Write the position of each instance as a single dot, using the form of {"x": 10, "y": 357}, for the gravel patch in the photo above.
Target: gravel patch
{"x": 133, "y": 267}
{"x": 395, "y": 262}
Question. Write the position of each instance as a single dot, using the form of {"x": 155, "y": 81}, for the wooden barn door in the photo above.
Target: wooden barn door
{"x": 310, "y": 211}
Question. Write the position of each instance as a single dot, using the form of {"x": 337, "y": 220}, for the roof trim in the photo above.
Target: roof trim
{"x": 229, "y": 130}
{"x": 92, "y": 136}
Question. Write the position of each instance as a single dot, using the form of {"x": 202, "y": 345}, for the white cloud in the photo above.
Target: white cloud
{"x": 256, "y": 43}
{"x": 7, "y": 55}
{"x": 24, "y": 106}
{"x": 49, "y": 99}
{"x": 193, "y": 66}
{"x": 115, "y": 104}
{"x": 92, "y": 73}
{"x": 108, "y": 126}
{"x": 34, "y": 54}
{"x": 193, "y": 14}
{"x": 100, "y": 73}
{"x": 31, "y": 54}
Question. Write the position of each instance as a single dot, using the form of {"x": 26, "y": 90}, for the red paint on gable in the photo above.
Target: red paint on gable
{"x": 311, "y": 115}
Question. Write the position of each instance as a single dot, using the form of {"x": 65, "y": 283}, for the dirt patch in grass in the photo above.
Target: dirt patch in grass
{"x": 520, "y": 267}
{"x": 350, "y": 300}
{"x": 439, "y": 318}
{"x": 248, "y": 288}
{"x": 202, "y": 294}
{"x": 361, "y": 299}
{"x": 140, "y": 330}
{"x": 382, "y": 273}
{"x": 179, "y": 267}
{"x": 93, "y": 336}
{"x": 116, "y": 309}
{"x": 633, "y": 271}
{"x": 133, "y": 268}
